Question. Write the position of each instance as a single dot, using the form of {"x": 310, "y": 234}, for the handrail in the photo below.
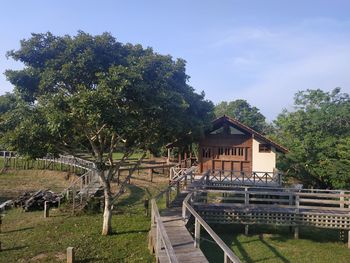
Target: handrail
{"x": 81, "y": 183}
{"x": 229, "y": 256}
{"x": 155, "y": 216}
{"x": 162, "y": 234}
{"x": 243, "y": 177}
{"x": 281, "y": 199}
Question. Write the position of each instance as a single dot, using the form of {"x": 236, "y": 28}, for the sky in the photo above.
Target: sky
{"x": 263, "y": 51}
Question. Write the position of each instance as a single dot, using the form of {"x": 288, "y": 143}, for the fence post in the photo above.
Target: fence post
{"x": 296, "y": 228}
{"x": 70, "y": 255}
{"x": 183, "y": 211}
{"x": 227, "y": 259}
{"x": 341, "y": 199}
{"x": 177, "y": 188}
{"x": 167, "y": 198}
{"x": 150, "y": 173}
{"x": 46, "y": 209}
{"x": 74, "y": 193}
{"x": 197, "y": 233}
{"x": 158, "y": 243}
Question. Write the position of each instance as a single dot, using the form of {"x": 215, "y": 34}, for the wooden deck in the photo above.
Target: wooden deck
{"x": 180, "y": 238}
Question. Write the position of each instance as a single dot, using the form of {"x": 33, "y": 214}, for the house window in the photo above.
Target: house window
{"x": 264, "y": 148}
{"x": 206, "y": 152}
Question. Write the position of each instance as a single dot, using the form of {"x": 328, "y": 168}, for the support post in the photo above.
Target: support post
{"x": 349, "y": 239}
{"x": 183, "y": 211}
{"x": 169, "y": 154}
{"x": 46, "y": 209}
{"x": 158, "y": 243}
{"x": 296, "y": 232}
{"x": 296, "y": 228}
{"x": 150, "y": 173}
{"x": 74, "y": 193}
{"x": 342, "y": 199}
{"x": 167, "y": 198}
{"x": 197, "y": 233}
{"x": 70, "y": 255}
{"x": 227, "y": 259}
{"x": 146, "y": 205}
{"x": 246, "y": 230}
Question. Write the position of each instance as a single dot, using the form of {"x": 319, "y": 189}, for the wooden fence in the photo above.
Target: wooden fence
{"x": 226, "y": 178}
{"x": 187, "y": 210}
{"x": 275, "y": 206}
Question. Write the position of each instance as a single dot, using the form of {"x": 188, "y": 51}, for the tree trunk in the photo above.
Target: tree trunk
{"x": 107, "y": 214}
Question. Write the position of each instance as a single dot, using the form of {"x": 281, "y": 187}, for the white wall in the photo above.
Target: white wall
{"x": 263, "y": 162}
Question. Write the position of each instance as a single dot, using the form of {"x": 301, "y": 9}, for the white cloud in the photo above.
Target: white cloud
{"x": 275, "y": 88}
{"x": 281, "y": 60}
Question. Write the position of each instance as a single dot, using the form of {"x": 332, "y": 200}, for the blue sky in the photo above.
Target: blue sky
{"x": 262, "y": 51}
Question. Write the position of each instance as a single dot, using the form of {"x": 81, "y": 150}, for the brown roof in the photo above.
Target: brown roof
{"x": 217, "y": 122}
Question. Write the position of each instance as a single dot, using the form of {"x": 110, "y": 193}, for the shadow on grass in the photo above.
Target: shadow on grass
{"x": 14, "y": 248}
{"x": 129, "y": 232}
{"x": 136, "y": 195}
{"x": 230, "y": 235}
{"x": 87, "y": 260}
{"x": 273, "y": 250}
{"x": 17, "y": 230}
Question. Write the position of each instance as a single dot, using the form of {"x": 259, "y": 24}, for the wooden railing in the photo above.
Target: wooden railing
{"x": 219, "y": 177}
{"x": 292, "y": 207}
{"x": 229, "y": 256}
{"x": 162, "y": 239}
{"x": 176, "y": 172}
{"x": 79, "y": 190}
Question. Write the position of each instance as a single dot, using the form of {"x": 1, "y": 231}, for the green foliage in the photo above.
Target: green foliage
{"x": 317, "y": 134}
{"x": 7, "y": 102}
{"x": 92, "y": 93}
{"x": 243, "y": 112}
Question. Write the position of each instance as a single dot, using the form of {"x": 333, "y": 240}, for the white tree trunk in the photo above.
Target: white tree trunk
{"x": 107, "y": 214}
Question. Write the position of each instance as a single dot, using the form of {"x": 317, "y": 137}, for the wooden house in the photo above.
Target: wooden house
{"x": 233, "y": 146}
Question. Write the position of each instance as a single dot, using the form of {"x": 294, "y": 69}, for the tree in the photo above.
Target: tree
{"x": 243, "y": 112}
{"x": 317, "y": 134}
{"x": 7, "y": 102}
{"x": 92, "y": 93}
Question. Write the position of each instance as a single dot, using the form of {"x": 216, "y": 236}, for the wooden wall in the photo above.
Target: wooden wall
{"x": 226, "y": 152}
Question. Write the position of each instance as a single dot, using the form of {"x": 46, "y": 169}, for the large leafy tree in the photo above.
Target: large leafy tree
{"x": 317, "y": 134}
{"x": 7, "y": 102}
{"x": 94, "y": 94}
{"x": 243, "y": 112}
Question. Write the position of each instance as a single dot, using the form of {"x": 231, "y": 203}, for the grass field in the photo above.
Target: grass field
{"x": 278, "y": 245}
{"x": 13, "y": 183}
{"x": 28, "y": 237}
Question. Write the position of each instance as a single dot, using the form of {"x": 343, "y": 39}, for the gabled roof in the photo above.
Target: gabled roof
{"x": 235, "y": 123}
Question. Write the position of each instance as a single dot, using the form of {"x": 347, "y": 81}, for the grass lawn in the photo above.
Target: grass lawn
{"x": 28, "y": 237}
{"x": 278, "y": 245}
{"x": 13, "y": 183}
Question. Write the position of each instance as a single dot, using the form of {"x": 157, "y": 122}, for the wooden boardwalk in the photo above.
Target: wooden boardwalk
{"x": 180, "y": 238}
